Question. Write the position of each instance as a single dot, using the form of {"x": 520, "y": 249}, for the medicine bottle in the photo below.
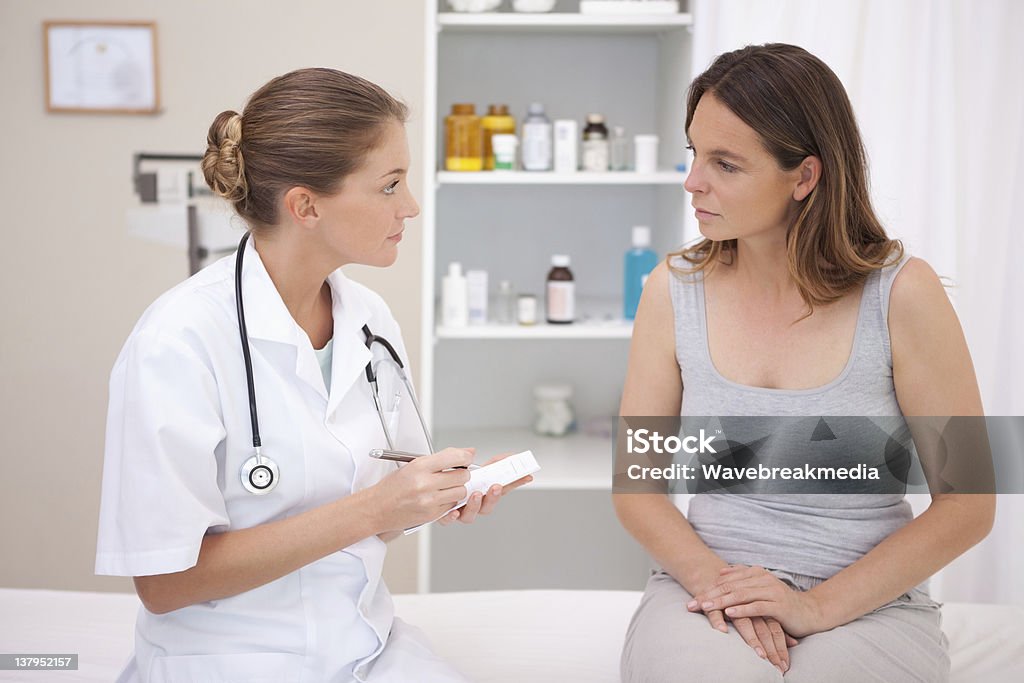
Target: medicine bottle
{"x": 536, "y": 146}
{"x": 497, "y": 122}
{"x": 526, "y": 309}
{"x": 561, "y": 292}
{"x": 505, "y": 306}
{"x": 618, "y": 150}
{"x": 463, "y": 139}
{"x": 639, "y": 262}
{"x": 454, "y": 297}
{"x": 595, "y": 144}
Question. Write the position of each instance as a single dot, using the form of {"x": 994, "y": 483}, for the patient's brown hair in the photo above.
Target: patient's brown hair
{"x": 799, "y": 108}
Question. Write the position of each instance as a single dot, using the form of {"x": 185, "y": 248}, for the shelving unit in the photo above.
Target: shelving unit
{"x": 560, "y": 22}
{"x": 551, "y": 178}
{"x": 477, "y": 381}
{"x": 610, "y": 330}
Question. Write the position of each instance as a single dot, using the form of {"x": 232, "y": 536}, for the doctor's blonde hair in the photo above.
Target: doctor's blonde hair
{"x": 799, "y": 108}
{"x": 308, "y": 128}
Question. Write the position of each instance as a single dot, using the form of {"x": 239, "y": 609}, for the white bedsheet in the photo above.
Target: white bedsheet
{"x": 494, "y": 637}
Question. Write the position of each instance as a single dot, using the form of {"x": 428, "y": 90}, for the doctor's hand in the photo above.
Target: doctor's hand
{"x": 420, "y": 491}
{"x": 479, "y": 504}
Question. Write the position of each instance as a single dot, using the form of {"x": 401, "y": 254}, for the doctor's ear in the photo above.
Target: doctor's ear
{"x": 300, "y": 204}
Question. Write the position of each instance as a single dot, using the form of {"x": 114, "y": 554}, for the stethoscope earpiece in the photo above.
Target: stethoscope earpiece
{"x": 259, "y": 475}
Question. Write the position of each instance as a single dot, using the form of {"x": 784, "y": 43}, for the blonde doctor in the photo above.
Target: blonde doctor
{"x": 255, "y": 529}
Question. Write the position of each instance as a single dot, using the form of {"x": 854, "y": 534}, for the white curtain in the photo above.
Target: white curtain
{"x": 936, "y": 88}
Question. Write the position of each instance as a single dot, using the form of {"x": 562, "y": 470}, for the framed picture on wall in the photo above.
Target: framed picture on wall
{"x": 101, "y": 67}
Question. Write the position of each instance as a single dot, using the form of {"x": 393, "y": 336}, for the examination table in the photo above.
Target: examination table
{"x": 527, "y": 636}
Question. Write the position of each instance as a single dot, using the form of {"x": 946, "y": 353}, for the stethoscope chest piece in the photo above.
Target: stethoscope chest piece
{"x": 259, "y": 475}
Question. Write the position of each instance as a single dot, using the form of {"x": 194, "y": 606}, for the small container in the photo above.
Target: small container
{"x": 639, "y": 262}
{"x": 595, "y": 144}
{"x": 553, "y": 406}
{"x": 504, "y": 150}
{"x": 645, "y": 158}
{"x": 497, "y": 122}
{"x": 566, "y": 146}
{"x": 505, "y": 304}
{"x": 463, "y": 139}
{"x": 561, "y": 292}
{"x": 533, "y": 5}
{"x": 476, "y": 285}
{"x": 526, "y": 309}
{"x": 454, "y": 297}
{"x": 618, "y": 150}
{"x": 474, "y": 5}
{"x": 537, "y": 147}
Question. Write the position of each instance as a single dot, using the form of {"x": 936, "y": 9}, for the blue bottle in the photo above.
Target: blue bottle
{"x": 640, "y": 261}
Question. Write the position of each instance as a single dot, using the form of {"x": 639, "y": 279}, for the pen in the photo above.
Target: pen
{"x": 400, "y": 456}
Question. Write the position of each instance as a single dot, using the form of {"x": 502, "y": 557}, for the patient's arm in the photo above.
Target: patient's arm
{"x": 934, "y": 375}
{"x": 654, "y": 387}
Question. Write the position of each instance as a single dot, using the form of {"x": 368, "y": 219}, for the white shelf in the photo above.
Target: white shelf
{"x": 552, "y": 178}
{"x": 571, "y": 463}
{"x": 565, "y": 60}
{"x": 619, "y": 329}
{"x": 564, "y": 21}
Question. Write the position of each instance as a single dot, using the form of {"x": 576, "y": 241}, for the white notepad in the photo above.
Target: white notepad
{"x": 503, "y": 472}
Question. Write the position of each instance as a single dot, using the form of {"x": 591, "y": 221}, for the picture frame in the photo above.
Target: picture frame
{"x": 101, "y": 67}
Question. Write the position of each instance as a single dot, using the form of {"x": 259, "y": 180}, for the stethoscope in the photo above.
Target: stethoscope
{"x": 259, "y": 473}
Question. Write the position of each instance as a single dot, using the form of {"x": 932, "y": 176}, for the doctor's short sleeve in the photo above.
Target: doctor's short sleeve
{"x": 160, "y": 492}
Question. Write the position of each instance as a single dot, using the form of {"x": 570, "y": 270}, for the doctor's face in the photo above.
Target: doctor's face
{"x": 737, "y": 186}
{"x": 363, "y": 223}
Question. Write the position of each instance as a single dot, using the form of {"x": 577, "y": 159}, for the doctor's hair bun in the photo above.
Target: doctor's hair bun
{"x": 223, "y": 165}
{"x": 309, "y": 128}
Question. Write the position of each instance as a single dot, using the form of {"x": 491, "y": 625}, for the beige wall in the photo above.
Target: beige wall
{"x": 73, "y": 281}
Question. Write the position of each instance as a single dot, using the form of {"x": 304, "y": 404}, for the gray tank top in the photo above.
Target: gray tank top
{"x": 816, "y": 534}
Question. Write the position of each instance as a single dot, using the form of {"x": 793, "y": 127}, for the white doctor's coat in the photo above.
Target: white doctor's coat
{"x": 178, "y": 431}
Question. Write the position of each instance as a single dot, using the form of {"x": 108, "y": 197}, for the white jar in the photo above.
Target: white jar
{"x": 526, "y": 309}
{"x": 504, "y": 147}
{"x": 645, "y": 154}
{"x": 554, "y": 409}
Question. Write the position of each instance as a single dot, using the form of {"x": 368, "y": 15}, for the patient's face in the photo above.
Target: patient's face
{"x": 735, "y": 179}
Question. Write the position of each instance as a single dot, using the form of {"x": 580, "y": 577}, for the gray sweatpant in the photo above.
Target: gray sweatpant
{"x": 900, "y": 641}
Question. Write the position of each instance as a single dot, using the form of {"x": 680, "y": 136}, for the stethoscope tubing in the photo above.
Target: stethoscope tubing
{"x": 244, "y": 334}
{"x": 371, "y": 377}
{"x": 268, "y": 467}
